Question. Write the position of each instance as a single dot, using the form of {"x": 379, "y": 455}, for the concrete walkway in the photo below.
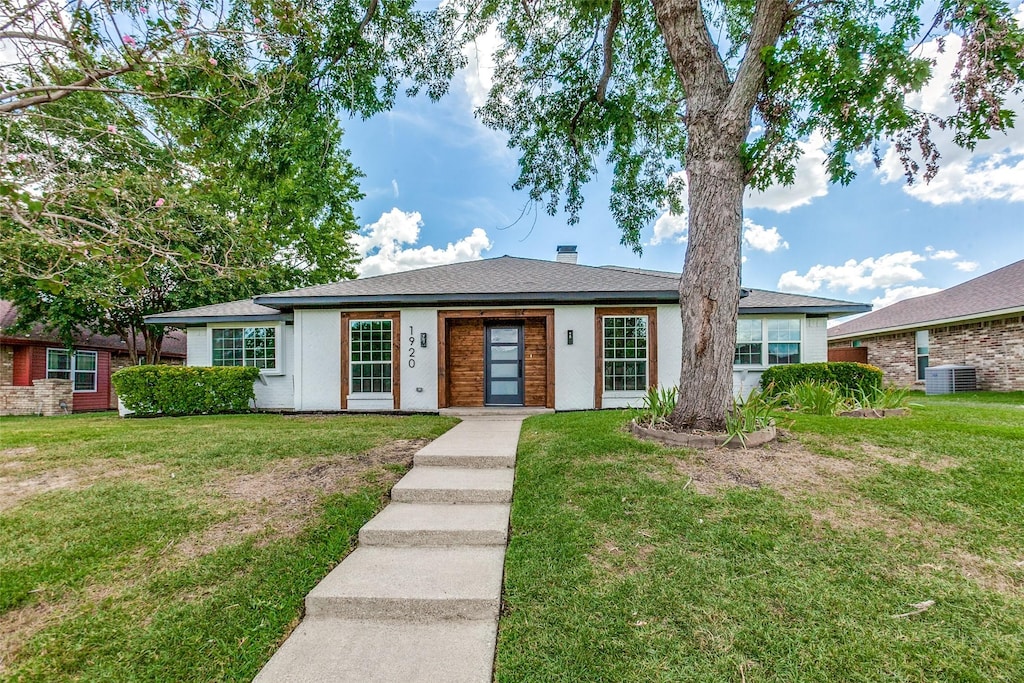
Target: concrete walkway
{"x": 418, "y": 600}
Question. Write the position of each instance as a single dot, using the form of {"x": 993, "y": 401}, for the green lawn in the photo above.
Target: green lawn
{"x": 630, "y": 562}
{"x": 178, "y": 549}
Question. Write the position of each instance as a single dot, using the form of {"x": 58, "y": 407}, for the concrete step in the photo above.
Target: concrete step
{"x": 414, "y": 524}
{"x": 473, "y": 461}
{"x": 475, "y": 444}
{"x": 412, "y": 584}
{"x": 368, "y": 651}
{"x": 454, "y": 485}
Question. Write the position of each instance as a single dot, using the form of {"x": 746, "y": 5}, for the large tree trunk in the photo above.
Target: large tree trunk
{"x": 709, "y": 289}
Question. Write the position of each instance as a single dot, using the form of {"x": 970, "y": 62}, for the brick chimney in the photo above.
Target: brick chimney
{"x": 566, "y": 253}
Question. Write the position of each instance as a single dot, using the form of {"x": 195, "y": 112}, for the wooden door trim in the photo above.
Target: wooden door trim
{"x": 396, "y": 352}
{"x": 652, "y": 344}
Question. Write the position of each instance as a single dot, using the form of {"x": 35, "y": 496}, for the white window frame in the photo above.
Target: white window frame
{"x": 605, "y": 359}
{"x": 278, "y": 341}
{"x": 389, "y": 363}
{"x": 918, "y": 355}
{"x": 765, "y": 342}
{"x": 73, "y": 370}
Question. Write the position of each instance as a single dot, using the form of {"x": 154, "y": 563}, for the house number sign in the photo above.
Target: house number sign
{"x": 412, "y": 347}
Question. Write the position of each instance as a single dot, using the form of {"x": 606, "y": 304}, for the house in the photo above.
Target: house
{"x": 500, "y": 331}
{"x": 35, "y": 368}
{"x": 978, "y": 323}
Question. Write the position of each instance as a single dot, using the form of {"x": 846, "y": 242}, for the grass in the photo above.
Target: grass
{"x": 631, "y": 562}
{"x": 177, "y": 549}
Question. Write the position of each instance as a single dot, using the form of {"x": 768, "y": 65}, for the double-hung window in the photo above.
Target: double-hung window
{"x": 783, "y": 341}
{"x": 245, "y": 346}
{"x": 371, "y": 350}
{"x": 625, "y": 353}
{"x": 749, "y": 342}
{"x": 77, "y": 366}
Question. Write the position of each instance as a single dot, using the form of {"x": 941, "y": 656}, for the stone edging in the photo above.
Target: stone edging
{"x": 875, "y": 412}
{"x": 752, "y": 440}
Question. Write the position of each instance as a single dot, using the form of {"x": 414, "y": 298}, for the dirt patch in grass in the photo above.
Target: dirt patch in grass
{"x": 906, "y": 459}
{"x": 277, "y": 501}
{"x": 14, "y": 453}
{"x": 1003, "y": 575}
{"x": 615, "y": 561}
{"x": 15, "y": 488}
{"x": 785, "y": 466}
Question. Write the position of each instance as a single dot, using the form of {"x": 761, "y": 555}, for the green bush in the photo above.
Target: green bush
{"x": 850, "y": 378}
{"x": 182, "y": 390}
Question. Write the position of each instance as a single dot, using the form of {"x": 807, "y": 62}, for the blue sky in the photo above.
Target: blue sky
{"x": 438, "y": 189}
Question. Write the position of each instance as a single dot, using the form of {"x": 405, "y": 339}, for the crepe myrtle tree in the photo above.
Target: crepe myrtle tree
{"x": 652, "y": 87}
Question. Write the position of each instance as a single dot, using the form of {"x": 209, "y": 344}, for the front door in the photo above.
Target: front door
{"x": 503, "y": 365}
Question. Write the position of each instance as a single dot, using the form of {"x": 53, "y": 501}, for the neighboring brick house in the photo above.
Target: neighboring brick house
{"x": 978, "y": 323}
{"x": 37, "y": 373}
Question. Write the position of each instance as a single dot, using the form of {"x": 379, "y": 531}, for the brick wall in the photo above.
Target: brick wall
{"x": 994, "y": 347}
{"x": 42, "y": 398}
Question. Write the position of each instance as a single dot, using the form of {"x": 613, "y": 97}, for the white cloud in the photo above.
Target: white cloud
{"x": 762, "y": 238}
{"x": 674, "y": 226}
{"x": 892, "y": 295}
{"x": 966, "y": 266}
{"x": 478, "y": 74}
{"x": 942, "y": 255}
{"x": 810, "y": 181}
{"x": 871, "y": 273}
{"x": 380, "y": 245}
{"x": 993, "y": 170}
{"x": 394, "y": 187}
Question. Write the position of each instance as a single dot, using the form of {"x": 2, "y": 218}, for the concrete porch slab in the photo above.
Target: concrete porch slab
{"x": 411, "y": 524}
{"x": 372, "y": 651}
{"x": 412, "y": 584}
{"x": 454, "y": 485}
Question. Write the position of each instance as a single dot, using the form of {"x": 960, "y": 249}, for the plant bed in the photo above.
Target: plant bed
{"x": 703, "y": 439}
{"x": 872, "y": 413}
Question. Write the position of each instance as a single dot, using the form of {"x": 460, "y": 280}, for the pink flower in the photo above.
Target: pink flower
{"x": 143, "y": 10}
{"x": 256, "y": 21}
{"x": 159, "y": 202}
{"x": 22, "y": 157}
{"x": 112, "y": 129}
{"x": 149, "y": 72}
{"x": 128, "y": 40}
{"x": 213, "y": 62}
{"x": 266, "y": 47}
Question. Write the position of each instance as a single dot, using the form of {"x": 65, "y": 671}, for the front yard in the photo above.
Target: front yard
{"x": 856, "y": 550}
{"x": 178, "y": 549}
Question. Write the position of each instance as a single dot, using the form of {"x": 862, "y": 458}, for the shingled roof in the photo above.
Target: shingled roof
{"x": 174, "y": 343}
{"x": 499, "y": 281}
{"x": 998, "y": 292}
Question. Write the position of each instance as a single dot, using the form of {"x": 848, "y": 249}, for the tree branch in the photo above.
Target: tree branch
{"x": 60, "y": 93}
{"x": 694, "y": 55}
{"x": 770, "y": 16}
{"x": 609, "y": 53}
{"x": 38, "y": 37}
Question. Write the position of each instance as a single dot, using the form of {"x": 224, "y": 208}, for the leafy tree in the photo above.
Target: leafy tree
{"x": 650, "y": 87}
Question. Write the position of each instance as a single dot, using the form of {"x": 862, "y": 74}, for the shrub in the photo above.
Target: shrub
{"x": 851, "y": 378}
{"x": 751, "y": 415}
{"x": 816, "y": 398}
{"x": 658, "y": 405}
{"x": 882, "y": 399}
{"x": 182, "y": 390}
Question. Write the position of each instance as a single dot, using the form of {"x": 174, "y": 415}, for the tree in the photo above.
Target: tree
{"x": 175, "y": 153}
{"x": 649, "y": 86}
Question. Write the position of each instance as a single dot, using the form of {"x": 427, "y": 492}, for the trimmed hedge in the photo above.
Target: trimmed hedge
{"x": 183, "y": 390}
{"x": 851, "y": 378}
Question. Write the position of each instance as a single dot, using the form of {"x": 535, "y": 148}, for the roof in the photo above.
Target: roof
{"x": 174, "y": 343}
{"x": 497, "y": 281}
{"x": 995, "y": 293}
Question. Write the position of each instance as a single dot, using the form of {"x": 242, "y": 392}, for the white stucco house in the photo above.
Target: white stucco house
{"x": 501, "y": 331}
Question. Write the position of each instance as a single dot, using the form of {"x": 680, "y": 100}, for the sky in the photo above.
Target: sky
{"x": 438, "y": 190}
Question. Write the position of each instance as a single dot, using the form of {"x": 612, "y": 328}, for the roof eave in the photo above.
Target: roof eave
{"x": 490, "y": 298}
{"x": 987, "y": 315}
{"x": 204, "y": 319}
{"x": 845, "y": 309}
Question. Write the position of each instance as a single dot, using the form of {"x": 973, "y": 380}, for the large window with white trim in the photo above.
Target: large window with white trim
{"x": 245, "y": 346}
{"x": 78, "y": 366}
{"x": 370, "y": 351}
{"x": 625, "y": 353}
{"x": 921, "y": 344}
{"x": 768, "y": 341}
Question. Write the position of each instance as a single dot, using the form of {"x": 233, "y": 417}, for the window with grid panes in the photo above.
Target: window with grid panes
{"x": 370, "y": 352}
{"x": 783, "y": 341}
{"x": 252, "y": 346}
{"x": 749, "y": 338}
{"x": 625, "y": 353}
{"x": 79, "y": 367}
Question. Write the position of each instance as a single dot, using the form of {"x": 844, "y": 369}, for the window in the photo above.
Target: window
{"x": 749, "y": 335}
{"x": 625, "y": 353}
{"x": 783, "y": 341}
{"x": 782, "y": 336}
{"x": 78, "y": 366}
{"x": 370, "y": 348}
{"x": 252, "y": 346}
{"x": 921, "y": 342}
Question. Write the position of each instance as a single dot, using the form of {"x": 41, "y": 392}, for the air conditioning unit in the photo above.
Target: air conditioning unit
{"x": 950, "y": 379}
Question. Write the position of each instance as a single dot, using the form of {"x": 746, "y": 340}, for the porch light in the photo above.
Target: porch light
{"x": 568, "y": 338}
{"x": 423, "y": 340}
